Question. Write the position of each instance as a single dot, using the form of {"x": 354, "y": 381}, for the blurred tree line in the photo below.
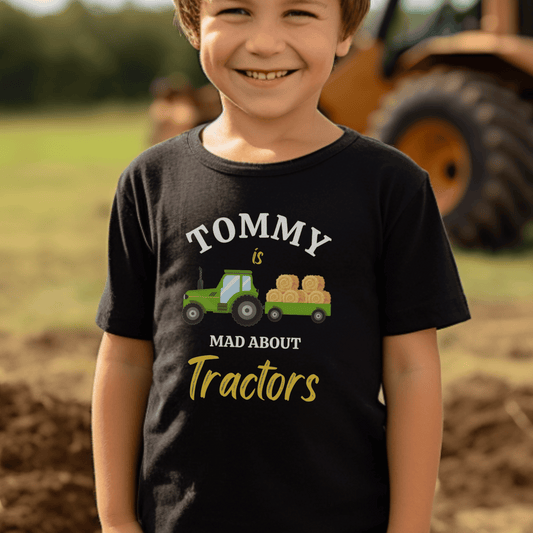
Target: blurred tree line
{"x": 83, "y": 56}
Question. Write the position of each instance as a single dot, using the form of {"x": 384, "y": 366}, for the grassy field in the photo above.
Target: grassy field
{"x": 58, "y": 173}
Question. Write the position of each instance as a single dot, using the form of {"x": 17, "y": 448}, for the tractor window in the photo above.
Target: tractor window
{"x": 246, "y": 283}
{"x": 230, "y": 286}
{"x": 414, "y": 21}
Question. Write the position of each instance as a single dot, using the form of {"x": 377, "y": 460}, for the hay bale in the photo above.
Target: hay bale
{"x": 287, "y": 282}
{"x": 316, "y": 297}
{"x": 291, "y": 296}
{"x": 274, "y": 295}
{"x": 313, "y": 283}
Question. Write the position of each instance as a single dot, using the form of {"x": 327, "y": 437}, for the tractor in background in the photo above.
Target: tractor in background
{"x": 453, "y": 90}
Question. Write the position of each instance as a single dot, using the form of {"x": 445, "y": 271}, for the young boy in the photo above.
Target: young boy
{"x": 252, "y": 405}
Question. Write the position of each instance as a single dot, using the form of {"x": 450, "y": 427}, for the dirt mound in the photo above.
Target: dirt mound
{"x": 61, "y": 361}
{"x": 45, "y": 464}
{"x": 487, "y": 455}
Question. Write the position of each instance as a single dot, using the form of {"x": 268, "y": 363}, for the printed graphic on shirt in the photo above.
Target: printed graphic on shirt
{"x": 237, "y": 386}
{"x": 236, "y": 294}
{"x": 224, "y": 231}
{"x": 288, "y": 299}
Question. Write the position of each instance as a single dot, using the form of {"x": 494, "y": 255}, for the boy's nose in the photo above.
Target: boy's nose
{"x": 264, "y": 42}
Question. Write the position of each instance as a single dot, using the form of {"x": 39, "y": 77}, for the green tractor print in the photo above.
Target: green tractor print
{"x": 235, "y": 294}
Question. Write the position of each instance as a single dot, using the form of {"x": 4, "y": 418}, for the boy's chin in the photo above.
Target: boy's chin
{"x": 235, "y": 112}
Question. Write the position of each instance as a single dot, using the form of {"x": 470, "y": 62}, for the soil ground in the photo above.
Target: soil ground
{"x": 486, "y": 477}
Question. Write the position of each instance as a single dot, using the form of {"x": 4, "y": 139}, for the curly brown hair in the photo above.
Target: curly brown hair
{"x": 187, "y": 17}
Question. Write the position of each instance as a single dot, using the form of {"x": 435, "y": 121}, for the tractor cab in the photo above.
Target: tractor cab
{"x": 233, "y": 283}
{"x": 403, "y": 27}
{"x": 235, "y": 287}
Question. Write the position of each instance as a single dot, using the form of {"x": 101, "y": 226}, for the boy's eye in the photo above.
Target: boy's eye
{"x": 234, "y": 11}
{"x": 295, "y": 13}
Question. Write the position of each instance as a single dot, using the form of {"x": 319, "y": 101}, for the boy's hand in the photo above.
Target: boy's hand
{"x": 129, "y": 527}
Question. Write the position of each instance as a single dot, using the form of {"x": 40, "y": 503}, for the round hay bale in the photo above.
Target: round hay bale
{"x": 313, "y": 283}
{"x": 287, "y": 282}
{"x": 274, "y": 295}
{"x": 316, "y": 297}
{"x": 291, "y": 296}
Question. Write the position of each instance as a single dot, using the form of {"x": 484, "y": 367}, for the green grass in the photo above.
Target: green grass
{"x": 496, "y": 277}
{"x": 58, "y": 173}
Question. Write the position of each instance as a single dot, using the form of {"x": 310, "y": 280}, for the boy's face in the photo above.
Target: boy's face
{"x": 262, "y": 38}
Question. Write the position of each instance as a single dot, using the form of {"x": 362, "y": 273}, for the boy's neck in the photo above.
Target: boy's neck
{"x": 270, "y": 141}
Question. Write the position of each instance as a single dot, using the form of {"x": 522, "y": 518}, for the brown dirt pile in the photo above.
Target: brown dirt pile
{"x": 46, "y": 472}
{"x": 487, "y": 456}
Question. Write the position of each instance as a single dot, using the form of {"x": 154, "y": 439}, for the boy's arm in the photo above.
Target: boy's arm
{"x": 412, "y": 389}
{"x": 122, "y": 381}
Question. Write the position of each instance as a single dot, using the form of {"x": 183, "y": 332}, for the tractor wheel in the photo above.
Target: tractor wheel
{"x": 475, "y": 139}
{"x": 275, "y": 314}
{"x": 193, "y": 314}
{"x": 247, "y": 310}
{"x": 318, "y": 316}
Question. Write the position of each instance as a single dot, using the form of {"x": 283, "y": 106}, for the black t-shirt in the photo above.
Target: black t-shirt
{"x": 263, "y": 413}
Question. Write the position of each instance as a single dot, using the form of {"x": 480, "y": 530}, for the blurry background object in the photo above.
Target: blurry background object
{"x": 178, "y": 107}
{"x": 88, "y": 54}
{"x": 453, "y": 89}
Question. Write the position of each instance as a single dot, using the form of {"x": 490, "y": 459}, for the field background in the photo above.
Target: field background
{"x": 58, "y": 172}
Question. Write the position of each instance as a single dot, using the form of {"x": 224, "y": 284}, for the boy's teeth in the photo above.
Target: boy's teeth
{"x": 269, "y": 76}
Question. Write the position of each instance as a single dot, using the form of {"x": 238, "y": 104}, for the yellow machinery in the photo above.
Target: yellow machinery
{"x": 452, "y": 89}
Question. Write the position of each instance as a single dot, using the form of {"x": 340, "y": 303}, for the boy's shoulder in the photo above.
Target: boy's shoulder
{"x": 383, "y": 168}
{"x": 386, "y": 160}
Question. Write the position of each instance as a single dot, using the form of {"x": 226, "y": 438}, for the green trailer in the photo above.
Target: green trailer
{"x": 317, "y": 312}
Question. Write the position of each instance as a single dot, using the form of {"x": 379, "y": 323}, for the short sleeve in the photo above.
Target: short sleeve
{"x": 127, "y": 304}
{"x": 420, "y": 285}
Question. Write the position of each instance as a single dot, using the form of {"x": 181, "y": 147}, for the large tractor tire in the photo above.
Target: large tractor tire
{"x": 475, "y": 139}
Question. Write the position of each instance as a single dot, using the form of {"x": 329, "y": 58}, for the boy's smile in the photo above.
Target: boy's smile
{"x": 261, "y": 75}
{"x": 270, "y": 58}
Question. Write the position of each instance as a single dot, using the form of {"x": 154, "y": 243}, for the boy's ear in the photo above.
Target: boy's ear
{"x": 343, "y": 47}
